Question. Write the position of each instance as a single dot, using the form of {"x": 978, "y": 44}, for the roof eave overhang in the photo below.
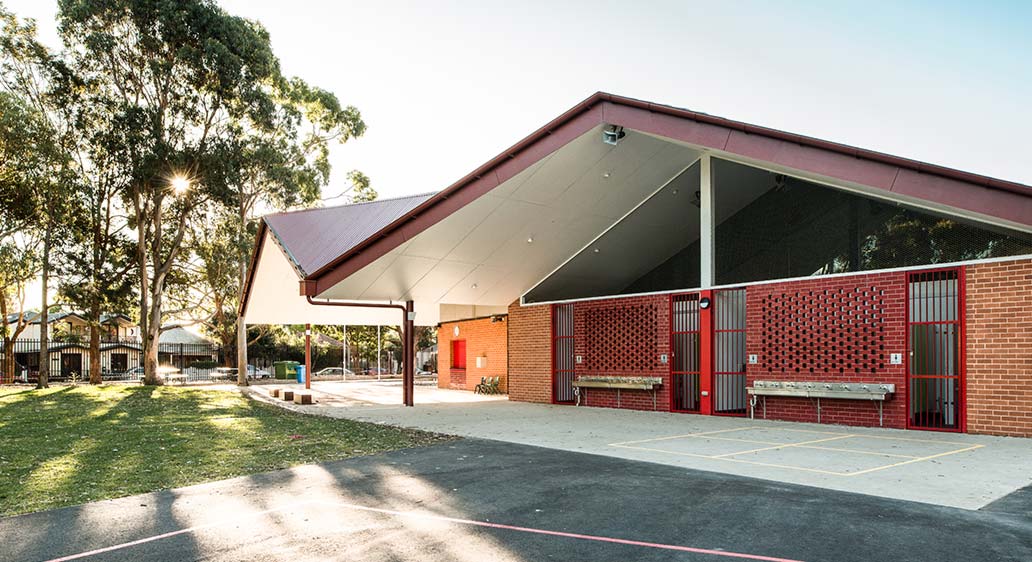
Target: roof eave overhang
{"x": 899, "y": 176}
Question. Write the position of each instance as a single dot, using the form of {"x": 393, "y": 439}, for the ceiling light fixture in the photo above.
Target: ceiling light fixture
{"x": 606, "y": 174}
{"x": 596, "y": 250}
{"x": 473, "y": 286}
{"x": 530, "y": 240}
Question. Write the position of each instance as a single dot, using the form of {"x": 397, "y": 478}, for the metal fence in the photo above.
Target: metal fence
{"x": 120, "y": 359}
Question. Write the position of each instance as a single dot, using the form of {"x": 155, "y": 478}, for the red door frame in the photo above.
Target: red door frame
{"x": 706, "y": 353}
{"x": 705, "y": 357}
{"x": 552, "y": 365}
{"x": 713, "y": 348}
{"x": 707, "y": 360}
{"x": 961, "y": 351}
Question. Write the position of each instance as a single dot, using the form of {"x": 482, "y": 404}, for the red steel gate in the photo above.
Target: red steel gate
{"x": 563, "y": 361}
{"x": 935, "y": 341}
{"x": 684, "y": 347}
{"x": 729, "y": 395}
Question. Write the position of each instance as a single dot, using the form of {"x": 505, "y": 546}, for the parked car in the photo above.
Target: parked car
{"x": 376, "y": 371}
{"x": 136, "y": 373}
{"x": 256, "y": 373}
{"x": 230, "y": 373}
{"x": 334, "y": 372}
{"x": 224, "y": 373}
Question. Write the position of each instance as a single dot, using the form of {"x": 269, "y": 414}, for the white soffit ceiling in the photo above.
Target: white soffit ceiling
{"x": 275, "y": 299}
{"x": 480, "y": 254}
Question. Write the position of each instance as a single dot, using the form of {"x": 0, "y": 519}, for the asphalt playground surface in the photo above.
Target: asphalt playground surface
{"x": 473, "y": 500}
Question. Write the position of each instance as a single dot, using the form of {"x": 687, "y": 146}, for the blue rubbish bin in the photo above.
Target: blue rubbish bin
{"x": 300, "y": 374}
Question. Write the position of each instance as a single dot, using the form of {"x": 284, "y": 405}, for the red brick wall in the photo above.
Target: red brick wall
{"x": 836, "y": 329}
{"x": 530, "y": 353}
{"x": 839, "y": 329}
{"x": 624, "y": 337}
{"x": 484, "y": 338}
{"x": 999, "y": 348}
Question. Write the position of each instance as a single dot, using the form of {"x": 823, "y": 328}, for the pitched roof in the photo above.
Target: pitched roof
{"x": 181, "y": 335}
{"x": 313, "y": 237}
{"x": 980, "y": 194}
{"x": 33, "y": 317}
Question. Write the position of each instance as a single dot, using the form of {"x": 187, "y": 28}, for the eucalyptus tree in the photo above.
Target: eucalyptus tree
{"x": 276, "y": 164}
{"x": 41, "y": 193}
{"x": 19, "y": 260}
{"x": 176, "y": 78}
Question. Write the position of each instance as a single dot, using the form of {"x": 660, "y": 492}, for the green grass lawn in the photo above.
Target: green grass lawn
{"x": 70, "y": 445}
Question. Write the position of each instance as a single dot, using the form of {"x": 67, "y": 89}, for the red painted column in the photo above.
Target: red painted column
{"x": 308, "y": 356}
{"x": 706, "y": 353}
{"x": 409, "y": 355}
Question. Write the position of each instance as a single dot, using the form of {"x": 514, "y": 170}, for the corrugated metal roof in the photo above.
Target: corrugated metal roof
{"x": 313, "y": 237}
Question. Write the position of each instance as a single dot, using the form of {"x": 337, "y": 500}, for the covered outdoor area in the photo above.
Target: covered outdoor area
{"x": 331, "y": 396}
{"x": 966, "y": 471}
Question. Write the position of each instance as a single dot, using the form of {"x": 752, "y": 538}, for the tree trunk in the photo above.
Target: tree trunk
{"x": 8, "y": 360}
{"x": 95, "y": 375}
{"x": 241, "y": 345}
{"x": 241, "y": 326}
{"x": 151, "y": 338}
{"x": 43, "y": 380}
{"x": 241, "y": 334}
{"x": 149, "y": 363}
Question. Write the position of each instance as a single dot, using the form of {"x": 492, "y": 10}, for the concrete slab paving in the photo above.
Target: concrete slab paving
{"x": 956, "y": 470}
{"x": 472, "y": 500}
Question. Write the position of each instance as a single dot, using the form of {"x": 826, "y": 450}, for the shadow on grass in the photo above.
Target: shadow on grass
{"x": 72, "y": 445}
{"x": 68, "y": 445}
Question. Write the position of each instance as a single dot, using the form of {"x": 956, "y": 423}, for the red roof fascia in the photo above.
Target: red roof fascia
{"x": 394, "y": 230}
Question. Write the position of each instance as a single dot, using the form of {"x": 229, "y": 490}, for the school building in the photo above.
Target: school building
{"x": 635, "y": 255}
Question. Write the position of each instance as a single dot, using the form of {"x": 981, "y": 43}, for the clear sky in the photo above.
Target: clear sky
{"x": 446, "y": 85}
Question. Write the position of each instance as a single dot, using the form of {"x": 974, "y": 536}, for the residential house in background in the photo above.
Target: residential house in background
{"x": 121, "y": 349}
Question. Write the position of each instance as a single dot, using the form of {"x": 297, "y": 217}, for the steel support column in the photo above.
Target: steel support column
{"x": 707, "y": 224}
{"x": 408, "y": 354}
{"x": 407, "y": 322}
{"x": 308, "y": 356}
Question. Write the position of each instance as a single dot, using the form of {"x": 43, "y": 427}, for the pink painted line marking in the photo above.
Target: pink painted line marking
{"x": 430, "y": 516}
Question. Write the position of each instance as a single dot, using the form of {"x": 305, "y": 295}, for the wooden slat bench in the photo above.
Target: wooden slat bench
{"x": 875, "y": 392}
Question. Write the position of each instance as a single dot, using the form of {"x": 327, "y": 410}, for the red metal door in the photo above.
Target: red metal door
{"x": 935, "y": 344}
{"x": 563, "y": 360}
{"x": 685, "y": 391}
{"x": 729, "y": 395}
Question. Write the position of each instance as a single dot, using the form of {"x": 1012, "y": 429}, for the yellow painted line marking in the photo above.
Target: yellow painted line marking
{"x": 801, "y": 430}
{"x": 680, "y": 436}
{"x": 912, "y": 440}
{"x": 802, "y": 468}
{"x": 844, "y": 450}
{"x": 919, "y": 459}
{"x": 753, "y": 441}
{"x": 783, "y": 446}
{"x": 718, "y": 458}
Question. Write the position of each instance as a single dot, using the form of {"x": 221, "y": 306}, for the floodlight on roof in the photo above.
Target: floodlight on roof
{"x": 611, "y": 134}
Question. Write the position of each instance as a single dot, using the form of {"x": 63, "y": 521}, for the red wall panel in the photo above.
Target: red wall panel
{"x": 840, "y": 329}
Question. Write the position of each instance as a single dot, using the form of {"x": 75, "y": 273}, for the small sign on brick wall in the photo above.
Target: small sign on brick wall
{"x": 896, "y": 358}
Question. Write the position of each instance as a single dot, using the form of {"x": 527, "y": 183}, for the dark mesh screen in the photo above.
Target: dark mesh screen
{"x": 772, "y": 227}
{"x": 663, "y": 231}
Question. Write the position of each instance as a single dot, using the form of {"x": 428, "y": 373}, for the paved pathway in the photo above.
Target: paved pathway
{"x": 967, "y": 471}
